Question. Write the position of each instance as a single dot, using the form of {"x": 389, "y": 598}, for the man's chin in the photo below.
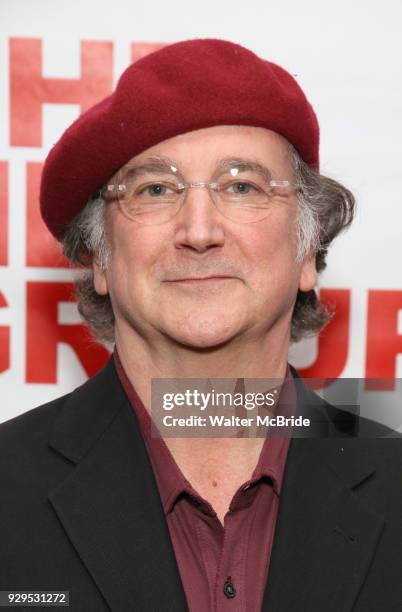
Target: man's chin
{"x": 203, "y": 340}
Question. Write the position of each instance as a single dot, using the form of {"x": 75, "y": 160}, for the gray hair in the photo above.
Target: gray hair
{"x": 325, "y": 208}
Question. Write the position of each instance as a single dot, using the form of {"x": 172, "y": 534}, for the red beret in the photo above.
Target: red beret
{"x": 179, "y": 88}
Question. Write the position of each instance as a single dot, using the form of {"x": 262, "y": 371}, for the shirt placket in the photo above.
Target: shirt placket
{"x": 225, "y": 554}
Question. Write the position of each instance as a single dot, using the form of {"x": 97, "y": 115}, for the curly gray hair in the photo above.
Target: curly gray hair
{"x": 325, "y": 208}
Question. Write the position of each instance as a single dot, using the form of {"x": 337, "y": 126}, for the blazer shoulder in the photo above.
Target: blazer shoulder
{"x": 42, "y": 417}
{"x": 24, "y": 453}
{"x": 28, "y": 434}
{"x": 342, "y": 423}
{"x": 32, "y": 421}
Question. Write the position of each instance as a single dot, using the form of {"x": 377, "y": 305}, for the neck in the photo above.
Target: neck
{"x": 254, "y": 357}
{"x": 262, "y": 357}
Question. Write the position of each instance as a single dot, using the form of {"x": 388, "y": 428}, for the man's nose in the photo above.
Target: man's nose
{"x": 199, "y": 225}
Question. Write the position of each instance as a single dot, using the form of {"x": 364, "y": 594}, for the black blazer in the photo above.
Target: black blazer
{"x": 80, "y": 512}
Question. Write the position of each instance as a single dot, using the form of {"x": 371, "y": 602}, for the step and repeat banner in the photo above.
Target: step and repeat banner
{"x": 57, "y": 59}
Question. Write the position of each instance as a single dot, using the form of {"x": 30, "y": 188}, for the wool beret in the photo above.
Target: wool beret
{"x": 179, "y": 88}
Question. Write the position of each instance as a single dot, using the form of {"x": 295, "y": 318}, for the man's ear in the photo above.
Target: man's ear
{"x": 100, "y": 281}
{"x": 309, "y": 274}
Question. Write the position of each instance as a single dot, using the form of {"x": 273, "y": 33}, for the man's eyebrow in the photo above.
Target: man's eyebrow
{"x": 243, "y": 165}
{"x": 169, "y": 166}
{"x": 151, "y": 164}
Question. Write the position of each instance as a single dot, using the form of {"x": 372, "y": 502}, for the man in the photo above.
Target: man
{"x": 193, "y": 198}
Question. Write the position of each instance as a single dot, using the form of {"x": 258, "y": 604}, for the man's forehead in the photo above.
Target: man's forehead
{"x": 216, "y": 146}
{"x": 163, "y": 164}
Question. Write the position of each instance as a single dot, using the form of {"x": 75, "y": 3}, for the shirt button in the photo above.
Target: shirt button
{"x": 229, "y": 589}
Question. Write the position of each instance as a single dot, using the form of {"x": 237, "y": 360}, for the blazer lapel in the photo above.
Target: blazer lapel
{"x": 109, "y": 505}
{"x": 325, "y": 536}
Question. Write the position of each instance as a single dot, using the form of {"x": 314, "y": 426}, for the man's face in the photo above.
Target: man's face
{"x": 148, "y": 263}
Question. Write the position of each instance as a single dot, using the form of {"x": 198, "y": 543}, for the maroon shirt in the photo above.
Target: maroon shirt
{"x": 223, "y": 568}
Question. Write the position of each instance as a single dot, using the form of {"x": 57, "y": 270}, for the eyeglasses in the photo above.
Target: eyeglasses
{"x": 241, "y": 195}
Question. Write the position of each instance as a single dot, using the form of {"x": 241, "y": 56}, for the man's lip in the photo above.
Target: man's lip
{"x": 199, "y": 278}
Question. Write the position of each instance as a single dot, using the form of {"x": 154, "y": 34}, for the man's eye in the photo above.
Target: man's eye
{"x": 241, "y": 188}
{"x": 155, "y": 190}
